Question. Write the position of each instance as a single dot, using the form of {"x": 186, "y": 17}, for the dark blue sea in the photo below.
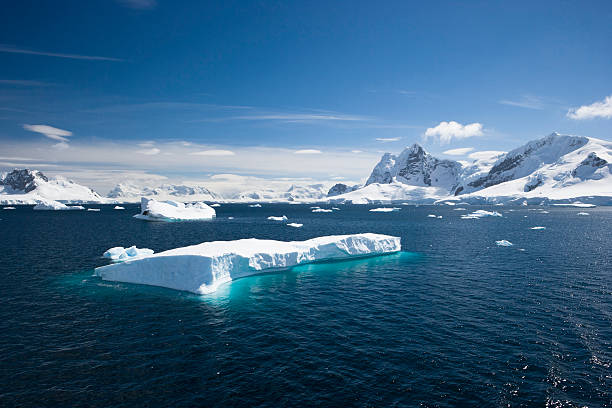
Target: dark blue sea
{"x": 454, "y": 320}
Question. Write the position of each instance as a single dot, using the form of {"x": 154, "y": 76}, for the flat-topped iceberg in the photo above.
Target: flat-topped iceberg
{"x": 152, "y": 210}
{"x": 204, "y": 267}
{"x": 121, "y": 254}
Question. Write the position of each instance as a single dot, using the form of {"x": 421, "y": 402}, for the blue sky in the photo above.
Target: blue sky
{"x": 191, "y": 89}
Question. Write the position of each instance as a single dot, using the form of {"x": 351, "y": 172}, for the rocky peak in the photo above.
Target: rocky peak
{"x": 341, "y": 188}
{"x": 23, "y": 180}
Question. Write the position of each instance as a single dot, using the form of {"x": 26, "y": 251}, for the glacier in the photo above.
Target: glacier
{"x": 55, "y": 206}
{"x": 202, "y": 268}
{"x": 152, "y": 210}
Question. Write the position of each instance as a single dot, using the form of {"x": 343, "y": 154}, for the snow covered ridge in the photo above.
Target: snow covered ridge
{"x": 204, "y": 267}
{"x": 50, "y": 205}
{"x": 169, "y": 211}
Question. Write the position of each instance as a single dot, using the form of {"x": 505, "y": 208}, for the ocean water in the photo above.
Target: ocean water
{"x": 453, "y": 320}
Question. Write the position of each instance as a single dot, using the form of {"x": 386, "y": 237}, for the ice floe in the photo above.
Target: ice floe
{"x": 385, "y": 209}
{"x": 56, "y": 206}
{"x": 255, "y": 205}
{"x": 118, "y": 207}
{"x": 8, "y": 208}
{"x": 583, "y": 213}
{"x": 120, "y": 254}
{"x": 295, "y": 225}
{"x": 151, "y": 210}
{"x": 503, "y": 242}
{"x": 273, "y": 218}
{"x": 322, "y": 210}
{"x": 538, "y": 228}
{"x": 93, "y": 209}
{"x": 202, "y": 268}
{"x": 215, "y": 205}
{"x": 480, "y": 214}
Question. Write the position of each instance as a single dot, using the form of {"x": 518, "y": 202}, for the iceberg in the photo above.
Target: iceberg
{"x": 322, "y": 210}
{"x": 118, "y": 207}
{"x": 583, "y": 213}
{"x": 8, "y": 208}
{"x": 538, "y": 228}
{"x": 295, "y": 225}
{"x": 273, "y": 218}
{"x": 255, "y": 205}
{"x": 120, "y": 254}
{"x": 503, "y": 242}
{"x": 151, "y": 210}
{"x": 93, "y": 209}
{"x": 385, "y": 209}
{"x": 215, "y": 205}
{"x": 56, "y": 206}
{"x": 479, "y": 214}
{"x": 204, "y": 267}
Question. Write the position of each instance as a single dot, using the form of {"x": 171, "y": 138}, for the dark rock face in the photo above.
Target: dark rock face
{"x": 592, "y": 161}
{"x": 25, "y": 180}
{"x": 533, "y": 184}
{"x": 341, "y": 188}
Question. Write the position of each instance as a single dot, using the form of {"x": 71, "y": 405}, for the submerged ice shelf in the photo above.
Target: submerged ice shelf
{"x": 204, "y": 267}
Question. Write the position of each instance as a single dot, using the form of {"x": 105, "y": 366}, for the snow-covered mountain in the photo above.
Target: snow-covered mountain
{"x": 295, "y": 193}
{"x": 341, "y": 188}
{"x": 31, "y": 186}
{"x": 554, "y": 168}
{"x": 132, "y": 193}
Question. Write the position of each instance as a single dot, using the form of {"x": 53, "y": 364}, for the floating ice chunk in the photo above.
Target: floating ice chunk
{"x": 230, "y": 218}
{"x": 215, "y": 205}
{"x": 460, "y": 209}
{"x": 255, "y": 205}
{"x": 335, "y": 208}
{"x": 202, "y": 268}
{"x": 431, "y": 215}
{"x": 273, "y": 218}
{"x": 120, "y": 254}
{"x": 544, "y": 212}
{"x": 583, "y": 213}
{"x": 295, "y": 225}
{"x": 439, "y": 216}
{"x": 8, "y": 208}
{"x": 385, "y": 209}
{"x": 93, "y": 209}
{"x": 576, "y": 204}
{"x": 503, "y": 242}
{"x": 322, "y": 210}
{"x": 538, "y": 228}
{"x": 479, "y": 214}
{"x": 151, "y": 210}
{"x": 118, "y": 207}
{"x": 314, "y": 208}
{"x": 56, "y": 205}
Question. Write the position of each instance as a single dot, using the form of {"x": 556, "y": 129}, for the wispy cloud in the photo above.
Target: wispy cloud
{"x": 602, "y": 109}
{"x": 14, "y": 50}
{"x": 526, "y": 101}
{"x": 308, "y": 151}
{"x": 22, "y": 82}
{"x": 51, "y": 132}
{"x": 387, "y": 139}
{"x": 459, "y": 152}
{"x": 294, "y": 117}
{"x": 356, "y": 151}
{"x": 213, "y": 152}
{"x": 447, "y": 131}
{"x": 149, "y": 152}
{"x": 139, "y": 4}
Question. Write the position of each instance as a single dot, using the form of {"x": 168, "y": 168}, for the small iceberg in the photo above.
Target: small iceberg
{"x": 321, "y": 210}
{"x": 151, "y": 210}
{"x": 93, "y": 209}
{"x": 295, "y": 225}
{"x": 118, "y": 207}
{"x": 204, "y": 267}
{"x": 577, "y": 204}
{"x": 385, "y": 209}
{"x": 230, "y": 218}
{"x": 538, "y": 228}
{"x": 215, "y": 205}
{"x": 8, "y": 208}
{"x": 583, "y": 213}
{"x": 120, "y": 254}
{"x": 460, "y": 209}
{"x": 480, "y": 214}
{"x": 503, "y": 242}
{"x": 335, "y": 208}
{"x": 255, "y": 205}
{"x": 273, "y": 218}
{"x": 50, "y": 205}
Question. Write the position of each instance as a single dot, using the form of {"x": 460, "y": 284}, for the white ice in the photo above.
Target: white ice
{"x": 202, "y": 268}
{"x": 255, "y": 205}
{"x": 538, "y": 228}
{"x": 56, "y": 206}
{"x": 385, "y": 209}
{"x": 503, "y": 242}
{"x": 93, "y": 209}
{"x": 295, "y": 225}
{"x": 322, "y": 210}
{"x": 118, "y": 207}
{"x": 120, "y": 254}
{"x": 215, "y": 205}
{"x": 8, "y": 208}
{"x": 151, "y": 210}
{"x": 583, "y": 213}
{"x": 273, "y": 218}
{"x": 479, "y": 214}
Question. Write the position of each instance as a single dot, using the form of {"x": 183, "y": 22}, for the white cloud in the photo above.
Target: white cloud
{"x": 308, "y": 151}
{"x": 61, "y": 146}
{"x": 356, "y": 151}
{"x": 446, "y": 131}
{"x": 149, "y": 152}
{"x": 213, "y": 153}
{"x": 601, "y": 109}
{"x": 527, "y": 102}
{"x": 388, "y": 139}
{"x": 459, "y": 152}
{"x": 50, "y": 131}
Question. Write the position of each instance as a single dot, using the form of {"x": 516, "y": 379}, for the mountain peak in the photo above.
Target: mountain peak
{"x": 23, "y": 179}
